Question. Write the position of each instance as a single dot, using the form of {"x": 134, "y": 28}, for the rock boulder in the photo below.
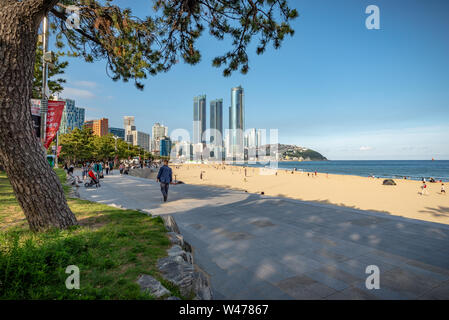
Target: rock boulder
{"x": 152, "y": 286}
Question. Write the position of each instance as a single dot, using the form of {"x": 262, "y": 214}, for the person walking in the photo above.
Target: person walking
{"x": 164, "y": 177}
{"x": 106, "y": 167}
{"x": 111, "y": 167}
{"x": 95, "y": 169}
{"x": 424, "y": 188}
{"x": 85, "y": 170}
{"x": 121, "y": 167}
{"x": 100, "y": 169}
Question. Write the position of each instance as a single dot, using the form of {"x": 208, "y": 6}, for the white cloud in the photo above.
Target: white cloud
{"x": 86, "y": 84}
{"x": 73, "y": 93}
{"x": 365, "y": 148}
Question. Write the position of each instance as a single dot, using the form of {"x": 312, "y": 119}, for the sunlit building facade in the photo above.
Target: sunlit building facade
{"x": 72, "y": 117}
{"x": 237, "y": 120}
{"x": 199, "y": 119}
{"x": 216, "y": 122}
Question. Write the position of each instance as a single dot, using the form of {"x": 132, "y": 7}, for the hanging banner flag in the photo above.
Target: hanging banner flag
{"x": 54, "y": 115}
{"x": 36, "y": 116}
{"x": 59, "y": 151}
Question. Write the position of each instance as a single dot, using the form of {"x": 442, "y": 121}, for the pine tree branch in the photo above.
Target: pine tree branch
{"x": 63, "y": 17}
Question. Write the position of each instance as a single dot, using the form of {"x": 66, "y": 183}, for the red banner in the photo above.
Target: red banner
{"x": 54, "y": 115}
{"x": 59, "y": 151}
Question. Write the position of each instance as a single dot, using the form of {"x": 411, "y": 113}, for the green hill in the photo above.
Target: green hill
{"x": 293, "y": 152}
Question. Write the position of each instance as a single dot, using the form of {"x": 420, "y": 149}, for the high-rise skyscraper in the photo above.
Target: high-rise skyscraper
{"x": 229, "y": 117}
{"x": 252, "y": 138}
{"x": 134, "y": 137}
{"x": 72, "y": 117}
{"x": 216, "y": 122}
{"x": 99, "y": 127}
{"x": 158, "y": 132}
{"x": 199, "y": 119}
{"x": 141, "y": 139}
{"x": 237, "y": 120}
{"x": 165, "y": 147}
{"x": 128, "y": 124}
{"x": 128, "y": 121}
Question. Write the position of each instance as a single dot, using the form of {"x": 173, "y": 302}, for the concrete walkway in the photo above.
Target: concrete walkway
{"x": 258, "y": 247}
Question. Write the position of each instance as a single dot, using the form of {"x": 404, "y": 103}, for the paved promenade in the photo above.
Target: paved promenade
{"x": 257, "y": 247}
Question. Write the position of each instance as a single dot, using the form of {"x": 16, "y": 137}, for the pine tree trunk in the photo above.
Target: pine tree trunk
{"x": 35, "y": 184}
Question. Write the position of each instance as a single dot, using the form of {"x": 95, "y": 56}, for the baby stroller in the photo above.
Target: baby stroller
{"x": 93, "y": 180}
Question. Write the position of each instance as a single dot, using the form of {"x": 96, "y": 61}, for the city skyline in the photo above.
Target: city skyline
{"x": 347, "y": 92}
{"x": 224, "y": 151}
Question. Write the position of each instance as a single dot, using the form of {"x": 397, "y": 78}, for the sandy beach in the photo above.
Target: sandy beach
{"x": 404, "y": 199}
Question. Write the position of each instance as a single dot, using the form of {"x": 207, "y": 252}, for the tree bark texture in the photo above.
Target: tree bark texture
{"x": 35, "y": 184}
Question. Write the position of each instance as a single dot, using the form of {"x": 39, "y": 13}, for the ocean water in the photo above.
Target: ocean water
{"x": 412, "y": 169}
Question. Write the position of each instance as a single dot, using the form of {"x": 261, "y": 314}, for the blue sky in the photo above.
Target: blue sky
{"x": 336, "y": 87}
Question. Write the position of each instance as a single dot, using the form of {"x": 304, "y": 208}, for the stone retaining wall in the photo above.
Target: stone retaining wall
{"x": 179, "y": 267}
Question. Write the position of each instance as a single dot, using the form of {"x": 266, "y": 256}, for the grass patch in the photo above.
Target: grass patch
{"x": 111, "y": 247}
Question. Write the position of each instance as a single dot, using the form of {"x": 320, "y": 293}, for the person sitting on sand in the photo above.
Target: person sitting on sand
{"x": 442, "y": 188}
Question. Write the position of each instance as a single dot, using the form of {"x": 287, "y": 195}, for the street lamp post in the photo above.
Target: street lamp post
{"x": 44, "y": 104}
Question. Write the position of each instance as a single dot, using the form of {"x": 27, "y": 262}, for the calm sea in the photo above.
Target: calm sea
{"x": 412, "y": 169}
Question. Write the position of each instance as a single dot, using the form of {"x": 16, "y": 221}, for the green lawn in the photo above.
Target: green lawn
{"x": 111, "y": 247}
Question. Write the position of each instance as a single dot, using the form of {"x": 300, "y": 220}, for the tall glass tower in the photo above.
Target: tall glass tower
{"x": 72, "y": 117}
{"x": 216, "y": 122}
{"x": 237, "y": 119}
{"x": 199, "y": 119}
